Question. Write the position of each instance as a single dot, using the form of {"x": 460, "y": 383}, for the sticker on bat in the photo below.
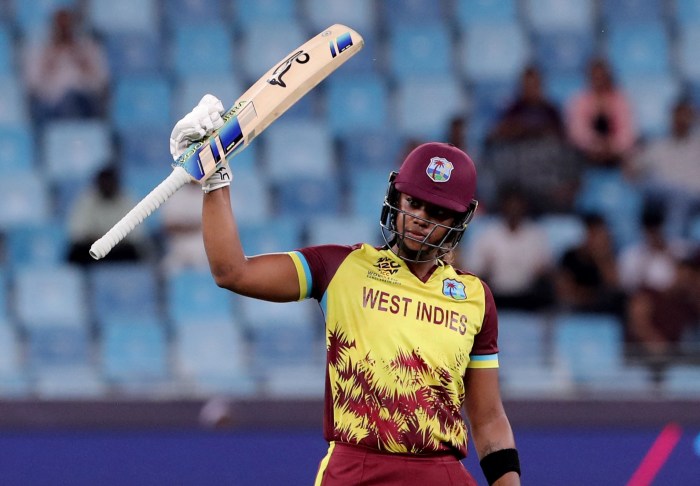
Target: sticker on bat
{"x": 300, "y": 56}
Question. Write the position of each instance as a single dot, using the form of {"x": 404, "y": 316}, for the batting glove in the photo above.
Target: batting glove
{"x": 196, "y": 125}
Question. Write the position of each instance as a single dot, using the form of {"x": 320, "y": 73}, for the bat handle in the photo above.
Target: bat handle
{"x": 177, "y": 178}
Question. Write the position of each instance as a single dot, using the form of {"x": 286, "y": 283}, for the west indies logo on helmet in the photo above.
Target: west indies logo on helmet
{"x": 439, "y": 174}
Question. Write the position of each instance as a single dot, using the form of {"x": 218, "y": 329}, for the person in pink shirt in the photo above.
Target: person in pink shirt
{"x": 599, "y": 119}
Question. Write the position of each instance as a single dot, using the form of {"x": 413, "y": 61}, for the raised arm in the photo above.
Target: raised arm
{"x": 269, "y": 277}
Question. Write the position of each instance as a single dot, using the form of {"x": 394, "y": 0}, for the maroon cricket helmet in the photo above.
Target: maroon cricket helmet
{"x": 440, "y": 174}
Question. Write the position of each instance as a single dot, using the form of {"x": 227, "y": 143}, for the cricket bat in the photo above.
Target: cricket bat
{"x": 265, "y": 101}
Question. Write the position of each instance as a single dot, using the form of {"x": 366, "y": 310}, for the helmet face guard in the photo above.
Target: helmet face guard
{"x": 395, "y": 239}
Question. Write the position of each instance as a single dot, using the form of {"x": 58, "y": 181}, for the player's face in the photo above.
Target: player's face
{"x": 421, "y": 222}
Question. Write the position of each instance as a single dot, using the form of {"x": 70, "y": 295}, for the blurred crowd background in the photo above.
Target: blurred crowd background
{"x": 580, "y": 115}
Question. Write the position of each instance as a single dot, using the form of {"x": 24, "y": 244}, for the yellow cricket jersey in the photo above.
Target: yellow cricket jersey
{"x": 397, "y": 347}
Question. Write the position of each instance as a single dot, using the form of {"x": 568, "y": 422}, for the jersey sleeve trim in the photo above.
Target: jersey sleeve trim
{"x": 304, "y": 274}
{"x": 483, "y": 361}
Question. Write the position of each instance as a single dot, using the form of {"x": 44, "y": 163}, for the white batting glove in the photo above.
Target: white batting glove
{"x": 196, "y": 125}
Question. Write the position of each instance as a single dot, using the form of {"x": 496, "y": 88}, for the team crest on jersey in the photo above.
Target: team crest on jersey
{"x": 454, "y": 288}
{"x": 439, "y": 169}
{"x": 386, "y": 266}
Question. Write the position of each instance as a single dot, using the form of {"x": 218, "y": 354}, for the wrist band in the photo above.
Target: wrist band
{"x": 497, "y": 463}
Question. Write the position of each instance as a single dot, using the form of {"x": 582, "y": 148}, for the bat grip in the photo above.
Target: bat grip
{"x": 177, "y": 178}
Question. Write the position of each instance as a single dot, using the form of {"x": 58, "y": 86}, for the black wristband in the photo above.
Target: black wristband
{"x": 497, "y": 463}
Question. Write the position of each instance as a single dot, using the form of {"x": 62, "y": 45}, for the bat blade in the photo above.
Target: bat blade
{"x": 265, "y": 101}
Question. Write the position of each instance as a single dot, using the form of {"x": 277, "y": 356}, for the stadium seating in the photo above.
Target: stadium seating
{"x": 134, "y": 53}
{"x": 7, "y": 58}
{"x": 420, "y": 50}
{"x": 195, "y": 12}
{"x": 265, "y": 43}
{"x": 548, "y": 15}
{"x": 124, "y": 16}
{"x": 141, "y": 101}
{"x": 123, "y": 291}
{"x": 359, "y": 15}
{"x": 357, "y": 104}
{"x": 58, "y": 347}
{"x": 4, "y": 296}
{"x": 564, "y": 231}
{"x": 685, "y": 11}
{"x": 523, "y": 339}
{"x": 193, "y": 297}
{"x": 299, "y": 148}
{"x": 191, "y": 86}
{"x": 37, "y": 245}
{"x": 250, "y": 195}
{"x": 213, "y": 44}
{"x": 653, "y": 98}
{"x": 75, "y": 149}
{"x": 250, "y": 12}
{"x": 271, "y": 235}
{"x": 688, "y": 38}
{"x": 13, "y": 105}
{"x": 639, "y": 48}
{"x": 33, "y": 18}
{"x": 473, "y": 12}
{"x": 14, "y": 382}
{"x": 396, "y": 12}
{"x": 621, "y": 11}
{"x": 563, "y": 51}
{"x": 682, "y": 380}
{"x": 17, "y": 149}
{"x": 343, "y": 230}
{"x": 494, "y": 51}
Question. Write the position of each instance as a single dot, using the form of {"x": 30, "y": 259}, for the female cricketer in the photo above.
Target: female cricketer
{"x": 410, "y": 339}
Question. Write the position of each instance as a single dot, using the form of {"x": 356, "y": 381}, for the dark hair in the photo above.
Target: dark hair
{"x": 591, "y": 219}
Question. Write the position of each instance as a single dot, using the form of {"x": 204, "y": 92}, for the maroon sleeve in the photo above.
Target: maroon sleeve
{"x": 486, "y": 342}
{"x": 323, "y": 261}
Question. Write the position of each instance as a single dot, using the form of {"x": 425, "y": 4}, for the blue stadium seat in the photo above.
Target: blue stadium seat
{"x": 563, "y": 231}
{"x": 63, "y": 299}
{"x": 58, "y": 347}
{"x": 396, "y": 12}
{"x": 308, "y": 195}
{"x": 17, "y": 149}
{"x": 443, "y": 95}
{"x": 134, "y": 357}
{"x": 489, "y": 99}
{"x": 251, "y": 12}
{"x": 14, "y": 381}
{"x": 639, "y": 48}
{"x": 270, "y": 235}
{"x": 26, "y": 202}
{"x": 380, "y": 150}
{"x": 694, "y": 230}
{"x": 191, "y": 87}
{"x": 652, "y": 98}
{"x": 682, "y": 381}
{"x": 688, "y": 38}
{"x": 685, "y": 11}
{"x": 33, "y": 18}
{"x": 522, "y": 339}
{"x": 189, "y": 12}
{"x": 608, "y": 193}
{"x": 281, "y": 344}
{"x": 124, "y": 291}
{"x": 13, "y": 104}
{"x": 545, "y": 15}
{"x": 138, "y": 152}
{"x": 588, "y": 345}
{"x": 494, "y": 51}
{"x": 75, "y": 149}
{"x": 7, "y": 51}
{"x": 620, "y": 11}
{"x": 213, "y": 44}
{"x": 139, "y": 181}
{"x": 474, "y": 12}
{"x": 69, "y": 383}
{"x": 250, "y": 195}
{"x": 298, "y": 148}
{"x": 210, "y": 357}
{"x": 134, "y": 53}
{"x": 420, "y": 49}
{"x": 563, "y": 51}
{"x": 260, "y": 313}
{"x": 306, "y": 381}
{"x": 361, "y": 15}
{"x": 561, "y": 87}
{"x": 344, "y": 230}
{"x": 536, "y": 382}
{"x": 108, "y": 16}
{"x": 357, "y": 104}
{"x": 141, "y": 101}
{"x": 265, "y": 43}
{"x": 367, "y": 191}
{"x": 37, "y": 244}
{"x": 4, "y": 295}
{"x": 193, "y": 297}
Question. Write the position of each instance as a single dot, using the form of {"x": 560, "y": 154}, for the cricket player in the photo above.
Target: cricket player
{"x": 411, "y": 340}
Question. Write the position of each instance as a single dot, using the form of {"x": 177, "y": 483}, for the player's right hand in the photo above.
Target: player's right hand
{"x": 197, "y": 124}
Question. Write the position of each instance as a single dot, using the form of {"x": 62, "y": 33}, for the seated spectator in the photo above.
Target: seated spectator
{"x": 599, "y": 119}
{"x": 650, "y": 263}
{"x": 95, "y": 211}
{"x": 587, "y": 278}
{"x": 512, "y": 256}
{"x": 530, "y": 115}
{"x": 182, "y": 226}
{"x": 658, "y": 320}
{"x": 528, "y": 146}
{"x": 670, "y": 169}
{"x": 66, "y": 75}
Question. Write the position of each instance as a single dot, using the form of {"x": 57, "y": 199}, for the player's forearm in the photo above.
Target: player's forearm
{"x": 221, "y": 240}
{"x": 493, "y": 435}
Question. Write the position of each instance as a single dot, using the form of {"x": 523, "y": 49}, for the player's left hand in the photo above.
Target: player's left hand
{"x": 197, "y": 124}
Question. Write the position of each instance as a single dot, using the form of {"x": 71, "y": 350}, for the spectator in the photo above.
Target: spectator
{"x": 599, "y": 119}
{"x": 528, "y": 146}
{"x": 650, "y": 263}
{"x": 513, "y": 256}
{"x": 95, "y": 211}
{"x": 670, "y": 169}
{"x": 182, "y": 224}
{"x": 67, "y": 75}
{"x": 658, "y": 320}
{"x": 530, "y": 115}
{"x": 587, "y": 278}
